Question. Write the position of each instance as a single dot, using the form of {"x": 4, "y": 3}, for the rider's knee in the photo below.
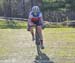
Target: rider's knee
{"x": 39, "y": 27}
{"x": 31, "y": 29}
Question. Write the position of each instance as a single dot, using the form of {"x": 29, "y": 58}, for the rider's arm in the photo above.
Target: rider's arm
{"x": 29, "y": 19}
{"x": 41, "y": 19}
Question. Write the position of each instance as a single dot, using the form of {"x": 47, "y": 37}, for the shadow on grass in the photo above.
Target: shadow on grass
{"x": 42, "y": 58}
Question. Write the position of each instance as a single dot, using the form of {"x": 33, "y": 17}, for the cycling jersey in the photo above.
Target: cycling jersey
{"x": 38, "y": 19}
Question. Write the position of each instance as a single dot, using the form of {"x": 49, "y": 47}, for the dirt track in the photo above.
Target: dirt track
{"x": 18, "y": 47}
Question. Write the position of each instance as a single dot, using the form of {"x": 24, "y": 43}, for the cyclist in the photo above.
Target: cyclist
{"x": 35, "y": 18}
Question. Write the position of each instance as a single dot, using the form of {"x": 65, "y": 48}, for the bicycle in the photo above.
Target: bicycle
{"x": 37, "y": 40}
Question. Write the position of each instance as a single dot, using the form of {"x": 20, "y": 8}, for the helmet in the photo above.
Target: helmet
{"x": 35, "y": 9}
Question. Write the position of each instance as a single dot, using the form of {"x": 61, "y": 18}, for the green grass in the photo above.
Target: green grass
{"x": 60, "y": 43}
{"x": 14, "y": 24}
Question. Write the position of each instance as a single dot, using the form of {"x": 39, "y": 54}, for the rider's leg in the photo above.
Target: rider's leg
{"x": 32, "y": 33}
{"x": 39, "y": 28}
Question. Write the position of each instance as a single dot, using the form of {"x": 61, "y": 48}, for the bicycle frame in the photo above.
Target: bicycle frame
{"x": 37, "y": 41}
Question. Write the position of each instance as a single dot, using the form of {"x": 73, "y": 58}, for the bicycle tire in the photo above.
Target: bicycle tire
{"x": 37, "y": 41}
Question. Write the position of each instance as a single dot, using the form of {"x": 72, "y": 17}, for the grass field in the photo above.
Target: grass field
{"x": 59, "y": 45}
{"x": 14, "y": 24}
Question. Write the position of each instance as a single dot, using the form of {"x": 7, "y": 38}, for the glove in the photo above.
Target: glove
{"x": 43, "y": 26}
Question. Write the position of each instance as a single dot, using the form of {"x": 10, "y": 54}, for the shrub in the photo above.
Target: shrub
{"x": 54, "y": 25}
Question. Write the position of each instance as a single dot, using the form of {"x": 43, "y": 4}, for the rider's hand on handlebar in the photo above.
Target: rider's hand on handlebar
{"x": 44, "y": 24}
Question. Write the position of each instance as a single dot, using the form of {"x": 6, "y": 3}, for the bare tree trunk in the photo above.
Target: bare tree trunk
{"x": 23, "y": 8}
